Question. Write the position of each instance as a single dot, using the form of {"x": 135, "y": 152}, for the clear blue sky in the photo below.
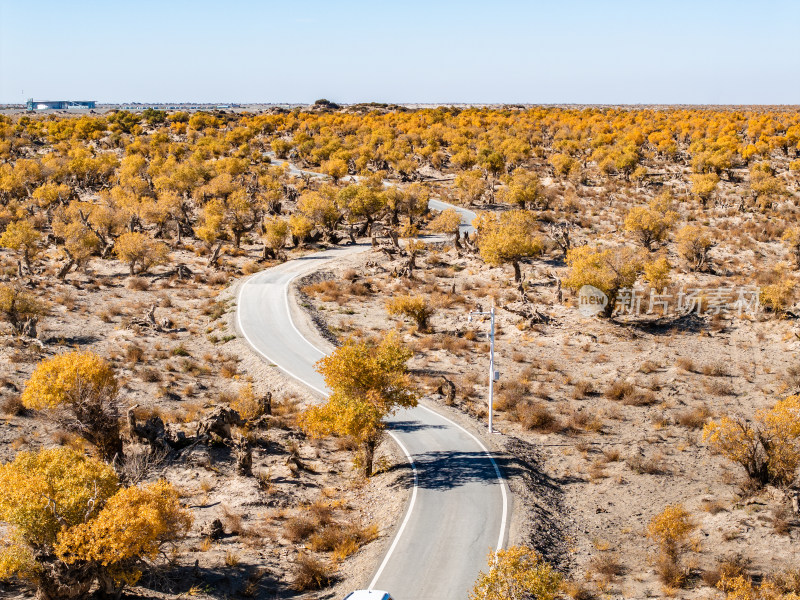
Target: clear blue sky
{"x": 559, "y": 51}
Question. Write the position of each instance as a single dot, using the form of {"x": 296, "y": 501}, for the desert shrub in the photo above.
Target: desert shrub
{"x": 768, "y": 447}
{"x": 299, "y": 528}
{"x": 84, "y": 386}
{"x": 248, "y": 405}
{"x": 693, "y": 418}
{"x": 535, "y": 416}
{"x": 670, "y": 530}
{"x": 416, "y": 308}
{"x": 607, "y": 565}
{"x": 619, "y": 389}
{"x": 311, "y": 574}
{"x": 792, "y": 238}
{"x": 777, "y": 587}
{"x": 12, "y": 406}
{"x": 656, "y": 273}
{"x": 139, "y": 284}
{"x": 644, "y": 465}
{"x": 517, "y": 572}
{"x": 510, "y": 394}
{"x": 73, "y": 527}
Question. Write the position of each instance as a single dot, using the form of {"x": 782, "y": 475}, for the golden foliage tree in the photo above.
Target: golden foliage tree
{"x": 276, "y": 234}
{"x": 140, "y": 251}
{"x": 73, "y": 527}
{"x": 704, "y": 185}
{"x": 670, "y": 530}
{"x": 768, "y": 447}
{"x": 23, "y": 238}
{"x": 517, "y": 573}
{"x": 508, "y": 238}
{"x": 523, "y": 190}
{"x": 368, "y": 383}
{"x": 694, "y": 244}
{"x": 448, "y": 221}
{"x": 321, "y": 209}
{"x": 85, "y": 386}
{"x": 79, "y": 243}
{"x": 132, "y": 526}
{"x": 651, "y": 223}
{"x": 607, "y": 269}
{"x": 656, "y": 273}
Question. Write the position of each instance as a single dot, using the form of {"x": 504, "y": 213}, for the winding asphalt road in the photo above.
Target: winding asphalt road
{"x": 459, "y": 504}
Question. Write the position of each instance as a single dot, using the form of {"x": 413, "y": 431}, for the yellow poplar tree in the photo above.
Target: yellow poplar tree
{"x": 85, "y": 385}
{"x": 651, "y": 223}
{"x": 368, "y": 383}
{"x": 517, "y": 573}
{"x": 768, "y": 447}
{"x": 448, "y": 221}
{"x": 140, "y": 250}
{"x": 508, "y": 238}
{"x": 72, "y": 526}
{"x": 607, "y": 269}
{"x": 23, "y": 238}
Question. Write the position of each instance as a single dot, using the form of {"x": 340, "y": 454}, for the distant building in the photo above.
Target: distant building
{"x": 59, "y": 104}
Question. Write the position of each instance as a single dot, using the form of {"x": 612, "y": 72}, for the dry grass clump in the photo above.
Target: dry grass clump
{"x": 643, "y": 465}
{"x": 536, "y": 416}
{"x": 582, "y": 389}
{"x": 716, "y": 369}
{"x": 298, "y": 528}
{"x": 728, "y": 568}
{"x": 686, "y": 364}
{"x": 248, "y": 405}
{"x": 139, "y": 284}
{"x": 619, "y": 389}
{"x": 311, "y": 574}
{"x": 628, "y": 394}
{"x": 510, "y": 394}
{"x": 713, "y": 506}
{"x": 327, "y": 291}
{"x": 693, "y": 418}
{"x": 12, "y": 406}
{"x": 607, "y": 565}
{"x": 584, "y": 420}
{"x": 342, "y": 539}
{"x": 134, "y": 353}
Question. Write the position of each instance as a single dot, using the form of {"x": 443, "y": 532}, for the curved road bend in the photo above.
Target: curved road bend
{"x": 459, "y": 502}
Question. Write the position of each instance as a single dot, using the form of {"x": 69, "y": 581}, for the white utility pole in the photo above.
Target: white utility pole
{"x": 493, "y": 375}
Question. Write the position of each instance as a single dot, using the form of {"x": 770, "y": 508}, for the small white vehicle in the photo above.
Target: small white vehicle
{"x": 368, "y": 595}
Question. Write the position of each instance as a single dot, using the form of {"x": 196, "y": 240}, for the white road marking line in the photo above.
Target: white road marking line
{"x": 496, "y": 470}
{"x": 264, "y": 354}
{"x": 325, "y": 394}
{"x": 407, "y": 517}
